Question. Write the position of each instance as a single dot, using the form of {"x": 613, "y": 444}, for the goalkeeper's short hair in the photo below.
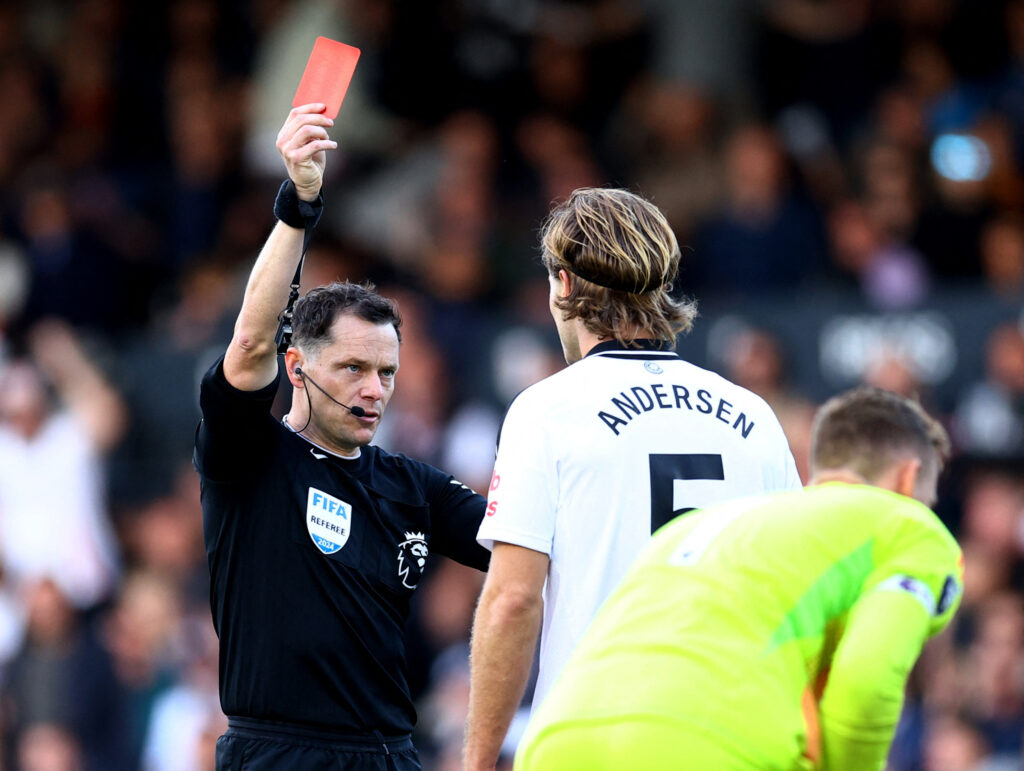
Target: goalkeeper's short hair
{"x": 866, "y": 429}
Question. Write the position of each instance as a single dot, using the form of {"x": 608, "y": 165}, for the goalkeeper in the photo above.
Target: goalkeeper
{"x": 774, "y": 632}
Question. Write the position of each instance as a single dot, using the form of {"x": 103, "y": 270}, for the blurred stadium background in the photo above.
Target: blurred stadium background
{"x": 847, "y": 175}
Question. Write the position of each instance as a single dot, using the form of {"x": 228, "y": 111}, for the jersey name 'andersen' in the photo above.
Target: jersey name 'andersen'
{"x": 634, "y": 401}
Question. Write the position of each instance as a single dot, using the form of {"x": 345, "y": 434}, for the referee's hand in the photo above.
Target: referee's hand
{"x": 303, "y": 143}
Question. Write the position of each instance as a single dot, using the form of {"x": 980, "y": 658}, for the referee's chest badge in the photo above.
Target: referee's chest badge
{"x": 328, "y": 520}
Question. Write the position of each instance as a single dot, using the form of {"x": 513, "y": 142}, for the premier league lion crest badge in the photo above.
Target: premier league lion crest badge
{"x": 412, "y": 558}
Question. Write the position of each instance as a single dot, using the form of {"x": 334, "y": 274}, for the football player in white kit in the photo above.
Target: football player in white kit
{"x": 595, "y": 458}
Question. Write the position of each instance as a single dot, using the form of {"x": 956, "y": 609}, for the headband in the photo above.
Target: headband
{"x": 611, "y": 283}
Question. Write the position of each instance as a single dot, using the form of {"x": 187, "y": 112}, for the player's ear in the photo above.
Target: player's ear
{"x": 565, "y": 283}
{"x": 906, "y": 476}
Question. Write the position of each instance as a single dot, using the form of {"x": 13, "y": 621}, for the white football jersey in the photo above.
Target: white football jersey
{"x": 592, "y": 460}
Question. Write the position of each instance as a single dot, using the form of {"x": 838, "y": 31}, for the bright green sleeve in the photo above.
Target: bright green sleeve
{"x": 862, "y": 700}
{"x": 910, "y": 595}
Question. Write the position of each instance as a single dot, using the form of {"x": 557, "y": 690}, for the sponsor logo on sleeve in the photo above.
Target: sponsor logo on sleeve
{"x": 915, "y": 587}
{"x": 328, "y": 520}
{"x": 492, "y": 503}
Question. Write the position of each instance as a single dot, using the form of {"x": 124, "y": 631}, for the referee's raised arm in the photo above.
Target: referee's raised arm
{"x": 251, "y": 359}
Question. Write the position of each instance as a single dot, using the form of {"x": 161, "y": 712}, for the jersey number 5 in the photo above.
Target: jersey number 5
{"x": 666, "y": 469}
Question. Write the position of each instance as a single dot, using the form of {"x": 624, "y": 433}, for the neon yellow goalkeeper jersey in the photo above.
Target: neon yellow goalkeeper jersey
{"x": 774, "y": 632}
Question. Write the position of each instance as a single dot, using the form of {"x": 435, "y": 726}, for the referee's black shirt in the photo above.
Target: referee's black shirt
{"x": 306, "y": 636}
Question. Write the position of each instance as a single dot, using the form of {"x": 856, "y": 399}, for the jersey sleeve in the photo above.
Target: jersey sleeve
{"x": 911, "y": 594}
{"x": 923, "y": 562}
{"x": 236, "y": 430}
{"x": 455, "y": 515}
{"x": 863, "y": 697}
{"x": 523, "y": 496}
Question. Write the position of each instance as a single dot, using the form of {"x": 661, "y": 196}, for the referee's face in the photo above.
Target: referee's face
{"x": 358, "y": 369}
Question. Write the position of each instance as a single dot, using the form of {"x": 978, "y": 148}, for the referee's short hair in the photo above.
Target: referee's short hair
{"x": 317, "y": 310}
{"x": 867, "y": 429}
{"x": 624, "y": 256}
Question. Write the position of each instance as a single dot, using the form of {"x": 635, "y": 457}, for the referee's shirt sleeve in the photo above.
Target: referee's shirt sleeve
{"x": 236, "y": 430}
{"x": 523, "y": 497}
{"x": 455, "y": 514}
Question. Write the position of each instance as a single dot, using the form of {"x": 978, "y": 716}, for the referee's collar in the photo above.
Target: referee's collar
{"x": 315, "y": 447}
{"x": 641, "y": 348}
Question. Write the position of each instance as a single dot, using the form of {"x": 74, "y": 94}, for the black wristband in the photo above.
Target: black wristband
{"x": 295, "y": 212}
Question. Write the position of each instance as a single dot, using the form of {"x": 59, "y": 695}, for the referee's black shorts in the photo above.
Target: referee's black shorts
{"x": 260, "y": 745}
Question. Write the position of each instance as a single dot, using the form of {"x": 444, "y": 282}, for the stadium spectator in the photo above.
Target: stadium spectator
{"x": 890, "y": 276}
{"x": 1002, "y": 256}
{"x": 992, "y": 682}
{"x": 63, "y": 677}
{"x": 664, "y": 137}
{"x": 763, "y": 237}
{"x": 57, "y": 531}
{"x": 989, "y": 418}
{"x": 139, "y": 633}
{"x": 993, "y": 510}
{"x": 184, "y": 715}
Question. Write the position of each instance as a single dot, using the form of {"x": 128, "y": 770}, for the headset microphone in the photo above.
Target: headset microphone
{"x": 359, "y": 412}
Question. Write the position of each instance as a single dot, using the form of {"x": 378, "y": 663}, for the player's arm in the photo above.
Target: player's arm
{"x": 862, "y": 701}
{"x": 505, "y": 630}
{"x": 251, "y": 359}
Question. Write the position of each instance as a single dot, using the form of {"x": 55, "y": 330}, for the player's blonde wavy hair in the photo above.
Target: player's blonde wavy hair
{"x": 623, "y": 256}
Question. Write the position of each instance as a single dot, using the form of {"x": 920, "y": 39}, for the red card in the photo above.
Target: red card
{"x": 328, "y": 73}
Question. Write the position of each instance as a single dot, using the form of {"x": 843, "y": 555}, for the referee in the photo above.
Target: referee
{"x": 315, "y": 539}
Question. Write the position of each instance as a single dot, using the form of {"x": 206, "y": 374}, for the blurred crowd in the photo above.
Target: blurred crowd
{"x": 868, "y": 151}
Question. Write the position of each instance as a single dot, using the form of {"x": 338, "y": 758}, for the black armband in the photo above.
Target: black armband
{"x": 293, "y": 211}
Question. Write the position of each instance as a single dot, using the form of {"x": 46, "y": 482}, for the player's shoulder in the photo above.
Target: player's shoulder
{"x": 720, "y": 389}
{"x": 558, "y": 387}
{"x": 721, "y": 385}
{"x": 897, "y": 517}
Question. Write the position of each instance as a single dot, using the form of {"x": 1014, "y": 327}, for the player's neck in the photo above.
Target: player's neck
{"x": 836, "y": 475}
{"x": 588, "y": 339}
